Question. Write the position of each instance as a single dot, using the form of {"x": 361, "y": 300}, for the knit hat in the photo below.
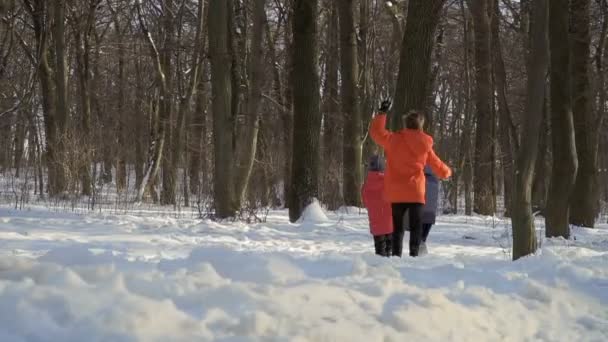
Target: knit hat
{"x": 376, "y": 163}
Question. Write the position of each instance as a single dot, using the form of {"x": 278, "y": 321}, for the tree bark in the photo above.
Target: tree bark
{"x": 524, "y": 233}
{"x": 565, "y": 162}
{"x": 415, "y": 61}
{"x": 307, "y": 116}
{"x": 166, "y": 106}
{"x": 540, "y": 183}
{"x": 221, "y": 84}
{"x": 484, "y": 137}
{"x": 584, "y": 200}
{"x": 351, "y": 113}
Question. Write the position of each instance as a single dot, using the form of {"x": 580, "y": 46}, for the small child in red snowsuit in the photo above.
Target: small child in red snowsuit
{"x": 378, "y": 210}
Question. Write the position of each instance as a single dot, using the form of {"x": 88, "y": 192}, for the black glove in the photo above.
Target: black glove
{"x": 385, "y": 105}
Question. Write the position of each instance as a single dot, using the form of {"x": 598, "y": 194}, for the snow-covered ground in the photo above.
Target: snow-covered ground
{"x": 101, "y": 277}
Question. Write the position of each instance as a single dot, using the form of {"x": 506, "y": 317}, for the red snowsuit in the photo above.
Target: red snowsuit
{"x": 378, "y": 210}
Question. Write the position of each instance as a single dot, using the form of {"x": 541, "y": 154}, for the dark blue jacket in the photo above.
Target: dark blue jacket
{"x": 429, "y": 212}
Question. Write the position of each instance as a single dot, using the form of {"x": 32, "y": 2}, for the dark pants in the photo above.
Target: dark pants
{"x": 415, "y": 212}
{"x": 383, "y": 244}
{"x": 426, "y": 229}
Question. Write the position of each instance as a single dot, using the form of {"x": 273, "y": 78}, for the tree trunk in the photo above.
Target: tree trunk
{"x": 61, "y": 75}
{"x": 584, "y": 201}
{"x": 349, "y": 71}
{"x": 247, "y": 145}
{"x": 307, "y": 116}
{"x": 331, "y": 180}
{"x": 415, "y": 61}
{"x": 565, "y": 162}
{"x": 601, "y": 137}
{"x": 484, "y": 137}
{"x": 121, "y": 163}
{"x": 540, "y": 183}
{"x": 524, "y": 233}
{"x": 288, "y": 117}
{"x": 223, "y": 150}
{"x": 366, "y": 104}
{"x": 169, "y": 166}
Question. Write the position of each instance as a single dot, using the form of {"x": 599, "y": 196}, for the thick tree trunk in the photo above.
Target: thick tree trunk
{"x": 484, "y": 137}
{"x": 247, "y": 145}
{"x": 562, "y": 127}
{"x": 351, "y": 113}
{"x": 524, "y": 233}
{"x": 584, "y": 200}
{"x": 414, "y": 76}
{"x": 307, "y": 116}
{"x": 601, "y": 136}
{"x": 223, "y": 149}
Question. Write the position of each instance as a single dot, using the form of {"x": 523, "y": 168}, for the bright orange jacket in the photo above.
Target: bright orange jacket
{"x": 407, "y": 152}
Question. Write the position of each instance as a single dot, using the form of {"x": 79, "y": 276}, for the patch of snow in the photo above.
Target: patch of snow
{"x": 100, "y": 277}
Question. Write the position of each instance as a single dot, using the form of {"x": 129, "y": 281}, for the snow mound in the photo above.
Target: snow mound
{"x": 313, "y": 213}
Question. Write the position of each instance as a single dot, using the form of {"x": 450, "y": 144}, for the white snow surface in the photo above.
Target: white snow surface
{"x": 96, "y": 277}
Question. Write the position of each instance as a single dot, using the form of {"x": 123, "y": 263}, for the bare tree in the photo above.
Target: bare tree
{"x": 585, "y": 194}
{"x": 332, "y": 153}
{"x": 223, "y": 149}
{"x": 415, "y": 62}
{"x": 350, "y": 105}
{"x": 307, "y": 116}
{"x": 485, "y": 202}
{"x": 565, "y": 162}
{"x": 524, "y": 233}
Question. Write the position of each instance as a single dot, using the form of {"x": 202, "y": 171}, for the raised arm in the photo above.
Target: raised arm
{"x": 439, "y": 168}
{"x": 378, "y": 131}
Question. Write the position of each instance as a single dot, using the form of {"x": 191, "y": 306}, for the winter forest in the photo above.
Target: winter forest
{"x": 253, "y": 117}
